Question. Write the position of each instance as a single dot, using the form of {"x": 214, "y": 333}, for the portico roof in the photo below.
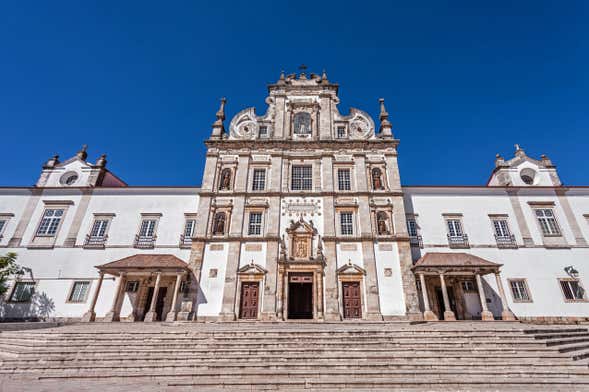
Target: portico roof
{"x": 145, "y": 262}
{"x": 454, "y": 262}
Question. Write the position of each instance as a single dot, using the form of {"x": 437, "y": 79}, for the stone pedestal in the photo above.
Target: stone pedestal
{"x": 185, "y": 312}
{"x": 428, "y": 315}
{"x": 112, "y": 316}
{"x": 150, "y": 317}
{"x": 89, "y": 317}
{"x": 449, "y": 316}
{"x": 507, "y": 315}
{"x": 171, "y": 316}
{"x": 487, "y": 316}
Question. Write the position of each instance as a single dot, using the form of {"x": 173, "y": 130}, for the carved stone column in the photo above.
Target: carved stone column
{"x": 485, "y": 314}
{"x": 428, "y": 315}
{"x": 90, "y": 315}
{"x": 151, "y": 316}
{"x": 448, "y": 313}
{"x": 114, "y": 314}
{"x": 171, "y": 316}
{"x": 506, "y": 314}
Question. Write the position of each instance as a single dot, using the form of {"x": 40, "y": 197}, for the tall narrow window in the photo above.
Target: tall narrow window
{"x": 341, "y": 132}
{"x": 547, "y": 221}
{"x": 302, "y": 178}
{"x": 99, "y": 228}
{"x": 225, "y": 180}
{"x": 263, "y": 132}
{"x": 79, "y": 291}
{"x": 219, "y": 223}
{"x": 50, "y": 222}
{"x": 259, "y": 180}
{"x": 22, "y": 292}
{"x": 147, "y": 228}
{"x": 255, "y": 224}
{"x": 412, "y": 227}
{"x": 346, "y": 223}
{"x": 377, "y": 183}
{"x": 519, "y": 290}
{"x": 189, "y": 228}
{"x": 572, "y": 290}
{"x": 343, "y": 179}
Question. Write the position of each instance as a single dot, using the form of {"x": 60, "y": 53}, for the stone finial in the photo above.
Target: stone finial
{"x": 82, "y": 154}
{"x": 52, "y": 162}
{"x": 499, "y": 161}
{"x": 386, "y": 128}
{"x": 519, "y": 151}
{"x": 101, "y": 162}
{"x": 546, "y": 161}
{"x": 218, "y": 127}
{"x": 281, "y": 79}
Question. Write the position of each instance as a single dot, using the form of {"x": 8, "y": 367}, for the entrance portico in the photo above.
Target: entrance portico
{"x": 152, "y": 283}
{"x": 452, "y": 288}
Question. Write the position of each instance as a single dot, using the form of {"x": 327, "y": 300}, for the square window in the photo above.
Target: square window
{"x": 132, "y": 286}
{"x": 302, "y": 178}
{"x": 263, "y": 132}
{"x": 454, "y": 227}
{"x": 501, "y": 228}
{"x": 79, "y": 292}
{"x": 22, "y": 292}
{"x": 547, "y": 221}
{"x": 99, "y": 228}
{"x": 346, "y": 223}
{"x": 344, "y": 179}
{"x": 255, "y": 224}
{"x": 341, "y": 132}
{"x": 572, "y": 290}
{"x": 519, "y": 290}
{"x": 50, "y": 222}
{"x": 259, "y": 180}
{"x": 147, "y": 228}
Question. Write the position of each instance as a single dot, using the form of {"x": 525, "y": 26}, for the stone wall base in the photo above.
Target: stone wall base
{"x": 553, "y": 319}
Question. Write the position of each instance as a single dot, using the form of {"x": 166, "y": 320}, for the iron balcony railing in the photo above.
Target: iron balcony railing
{"x": 185, "y": 241}
{"x": 506, "y": 241}
{"x": 415, "y": 240}
{"x": 144, "y": 242}
{"x": 458, "y": 241}
{"x": 95, "y": 241}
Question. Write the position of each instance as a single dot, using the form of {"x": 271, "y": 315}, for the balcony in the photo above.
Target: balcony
{"x": 458, "y": 241}
{"x": 506, "y": 241}
{"x": 144, "y": 242}
{"x": 185, "y": 241}
{"x": 95, "y": 242}
{"x": 416, "y": 241}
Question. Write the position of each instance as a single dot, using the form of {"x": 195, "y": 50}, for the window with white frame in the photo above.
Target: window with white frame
{"x": 302, "y": 178}
{"x": 255, "y": 223}
{"x": 547, "y": 221}
{"x": 344, "y": 179}
{"x": 572, "y": 290}
{"x": 263, "y": 131}
{"x": 3, "y": 222}
{"x": 412, "y": 227}
{"x": 99, "y": 228}
{"x": 341, "y": 132}
{"x": 259, "y": 180}
{"x": 50, "y": 222}
{"x": 22, "y": 291}
{"x": 189, "y": 228}
{"x": 454, "y": 227}
{"x": 79, "y": 291}
{"x": 346, "y": 219}
{"x": 147, "y": 228}
{"x": 519, "y": 290}
{"x": 501, "y": 227}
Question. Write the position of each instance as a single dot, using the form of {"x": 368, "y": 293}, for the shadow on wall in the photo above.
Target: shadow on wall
{"x": 39, "y": 308}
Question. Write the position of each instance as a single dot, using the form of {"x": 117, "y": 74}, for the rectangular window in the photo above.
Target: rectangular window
{"x": 50, "y": 222}
{"x": 189, "y": 228}
{"x": 454, "y": 227}
{"x": 412, "y": 227}
{"x": 346, "y": 223}
{"x": 255, "y": 224}
{"x": 519, "y": 290}
{"x": 302, "y": 178}
{"x": 468, "y": 286}
{"x": 572, "y": 290}
{"x": 259, "y": 180}
{"x": 147, "y": 228}
{"x": 341, "y": 132}
{"x": 501, "y": 228}
{"x": 547, "y": 221}
{"x": 22, "y": 292}
{"x": 2, "y": 226}
{"x": 343, "y": 179}
{"x": 263, "y": 132}
{"x": 79, "y": 292}
{"x": 99, "y": 228}
{"x": 132, "y": 286}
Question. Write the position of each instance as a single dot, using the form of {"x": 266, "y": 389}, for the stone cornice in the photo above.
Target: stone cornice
{"x": 300, "y": 194}
{"x": 294, "y": 145}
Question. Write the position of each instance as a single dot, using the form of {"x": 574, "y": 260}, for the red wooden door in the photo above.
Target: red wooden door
{"x": 249, "y": 300}
{"x": 352, "y": 303}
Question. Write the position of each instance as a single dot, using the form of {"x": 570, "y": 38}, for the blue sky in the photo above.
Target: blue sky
{"x": 141, "y": 80}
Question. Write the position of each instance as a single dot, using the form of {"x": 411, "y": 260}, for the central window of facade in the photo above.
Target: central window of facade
{"x": 302, "y": 178}
{"x": 302, "y": 123}
{"x": 343, "y": 179}
{"x": 50, "y": 222}
{"x": 547, "y": 221}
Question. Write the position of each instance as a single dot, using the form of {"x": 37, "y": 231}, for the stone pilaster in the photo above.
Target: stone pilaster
{"x": 408, "y": 281}
{"x": 372, "y": 297}
{"x": 332, "y": 311}
{"x": 25, "y": 219}
{"x": 81, "y": 211}
{"x": 570, "y": 217}
{"x": 228, "y": 312}
{"x": 520, "y": 218}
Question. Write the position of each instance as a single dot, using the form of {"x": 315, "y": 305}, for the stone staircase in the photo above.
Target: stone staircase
{"x": 294, "y": 356}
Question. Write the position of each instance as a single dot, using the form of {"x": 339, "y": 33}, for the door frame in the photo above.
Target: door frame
{"x": 351, "y": 273}
{"x": 241, "y": 284}
{"x": 250, "y": 273}
{"x": 351, "y": 281}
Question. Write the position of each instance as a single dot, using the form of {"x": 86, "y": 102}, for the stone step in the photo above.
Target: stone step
{"x": 553, "y": 330}
{"x": 566, "y": 341}
{"x": 561, "y": 335}
{"x": 580, "y": 355}
{"x": 572, "y": 347}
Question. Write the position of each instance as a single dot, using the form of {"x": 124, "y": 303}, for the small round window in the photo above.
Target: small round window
{"x": 528, "y": 176}
{"x": 69, "y": 178}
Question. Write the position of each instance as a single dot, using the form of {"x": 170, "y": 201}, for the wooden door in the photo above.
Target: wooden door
{"x": 352, "y": 303}
{"x": 249, "y": 300}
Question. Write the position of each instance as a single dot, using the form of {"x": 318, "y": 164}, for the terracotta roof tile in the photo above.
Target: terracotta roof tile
{"x": 451, "y": 259}
{"x": 145, "y": 261}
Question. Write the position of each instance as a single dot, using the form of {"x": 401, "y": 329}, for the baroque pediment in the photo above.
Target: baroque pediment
{"x": 350, "y": 268}
{"x": 252, "y": 268}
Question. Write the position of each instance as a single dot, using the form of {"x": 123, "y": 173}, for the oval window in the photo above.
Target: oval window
{"x": 69, "y": 178}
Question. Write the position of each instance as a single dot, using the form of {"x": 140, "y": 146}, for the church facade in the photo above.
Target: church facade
{"x": 300, "y": 215}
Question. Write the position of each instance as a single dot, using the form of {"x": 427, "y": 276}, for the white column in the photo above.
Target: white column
{"x": 172, "y": 313}
{"x": 485, "y": 314}
{"x": 506, "y": 314}
{"x": 90, "y": 315}
{"x": 428, "y": 315}
{"x": 114, "y": 314}
{"x": 448, "y": 313}
{"x": 152, "y": 315}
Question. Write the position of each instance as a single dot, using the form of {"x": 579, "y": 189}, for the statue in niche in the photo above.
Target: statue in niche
{"x": 219, "y": 223}
{"x": 302, "y": 123}
{"x": 381, "y": 223}
{"x": 300, "y": 248}
{"x": 225, "y": 183}
{"x": 377, "y": 183}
